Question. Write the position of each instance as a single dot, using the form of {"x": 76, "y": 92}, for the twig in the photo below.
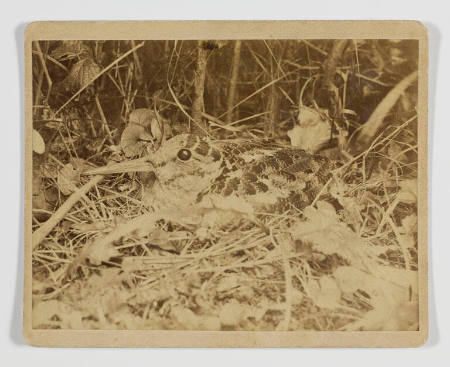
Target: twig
{"x": 233, "y": 79}
{"x": 184, "y": 107}
{"x": 315, "y": 47}
{"x": 44, "y": 66}
{"x": 45, "y": 229}
{"x": 322, "y": 190}
{"x": 249, "y": 118}
{"x": 256, "y": 92}
{"x": 372, "y": 80}
{"x": 105, "y": 123}
{"x": 199, "y": 87}
{"x": 387, "y": 215}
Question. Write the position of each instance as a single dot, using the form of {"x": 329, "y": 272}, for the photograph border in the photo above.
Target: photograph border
{"x": 193, "y": 30}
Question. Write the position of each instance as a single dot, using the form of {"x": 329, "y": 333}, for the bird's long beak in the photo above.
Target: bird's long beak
{"x": 135, "y": 165}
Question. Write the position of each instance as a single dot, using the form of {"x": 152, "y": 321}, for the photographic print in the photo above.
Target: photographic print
{"x": 230, "y": 183}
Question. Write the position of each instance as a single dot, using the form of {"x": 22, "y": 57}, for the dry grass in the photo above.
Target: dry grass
{"x": 347, "y": 262}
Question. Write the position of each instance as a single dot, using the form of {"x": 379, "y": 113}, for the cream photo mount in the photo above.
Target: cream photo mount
{"x": 231, "y": 30}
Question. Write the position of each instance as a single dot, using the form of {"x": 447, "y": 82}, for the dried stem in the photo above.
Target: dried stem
{"x": 199, "y": 88}
{"x": 233, "y": 80}
{"x": 57, "y": 216}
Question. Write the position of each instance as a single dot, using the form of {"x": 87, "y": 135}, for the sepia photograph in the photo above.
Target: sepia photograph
{"x": 239, "y": 184}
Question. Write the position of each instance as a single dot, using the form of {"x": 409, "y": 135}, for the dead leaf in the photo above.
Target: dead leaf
{"x": 134, "y": 140}
{"x": 232, "y": 313}
{"x": 99, "y": 252}
{"x": 351, "y": 279}
{"x": 227, "y": 283}
{"x": 325, "y": 292}
{"x": 145, "y": 128}
{"x": 408, "y": 191}
{"x": 186, "y": 317}
{"x": 149, "y": 120}
{"x": 327, "y": 234}
{"x": 211, "y": 323}
{"x": 324, "y": 211}
{"x": 312, "y": 131}
{"x": 68, "y": 178}
{"x": 246, "y": 292}
{"x": 81, "y": 74}
{"x": 38, "y": 142}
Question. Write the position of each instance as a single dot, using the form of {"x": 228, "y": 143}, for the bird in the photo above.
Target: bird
{"x": 237, "y": 175}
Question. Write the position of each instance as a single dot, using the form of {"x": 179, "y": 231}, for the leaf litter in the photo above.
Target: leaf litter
{"x": 347, "y": 262}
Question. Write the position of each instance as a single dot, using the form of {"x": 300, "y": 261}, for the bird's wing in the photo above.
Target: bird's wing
{"x": 271, "y": 177}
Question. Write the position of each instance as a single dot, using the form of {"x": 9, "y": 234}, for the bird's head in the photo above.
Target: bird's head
{"x": 182, "y": 168}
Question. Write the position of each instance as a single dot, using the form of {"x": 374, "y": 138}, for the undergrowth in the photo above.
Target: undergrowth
{"x": 347, "y": 262}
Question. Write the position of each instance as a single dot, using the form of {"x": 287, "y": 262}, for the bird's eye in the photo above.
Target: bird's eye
{"x": 184, "y": 154}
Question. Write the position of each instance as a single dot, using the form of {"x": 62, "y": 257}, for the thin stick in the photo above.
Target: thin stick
{"x": 105, "y": 123}
{"x": 44, "y": 66}
{"x": 204, "y": 114}
{"x": 199, "y": 88}
{"x": 256, "y": 92}
{"x": 233, "y": 79}
{"x": 315, "y": 47}
{"x": 45, "y": 229}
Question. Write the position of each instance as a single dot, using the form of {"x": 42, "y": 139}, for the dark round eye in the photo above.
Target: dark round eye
{"x": 184, "y": 154}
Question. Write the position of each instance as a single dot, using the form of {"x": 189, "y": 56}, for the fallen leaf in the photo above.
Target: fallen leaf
{"x": 211, "y": 323}
{"x": 325, "y": 292}
{"x": 185, "y": 317}
{"x": 408, "y": 191}
{"x": 232, "y": 313}
{"x": 145, "y": 128}
{"x": 149, "y": 120}
{"x": 82, "y": 73}
{"x": 99, "y": 252}
{"x": 328, "y": 235}
{"x": 38, "y": 142}
{"x": 68, "y": 178}
{"x": 312, "y": 131}
{"x": 134, "y": 140}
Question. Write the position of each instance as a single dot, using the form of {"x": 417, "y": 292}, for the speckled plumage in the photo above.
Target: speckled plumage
{"x": 266, "y": 176}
